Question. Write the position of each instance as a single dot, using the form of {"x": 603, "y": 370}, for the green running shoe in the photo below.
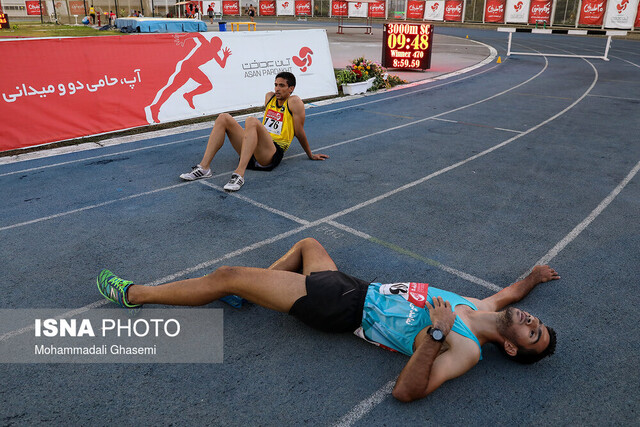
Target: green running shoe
{"x": 114, "y": 289}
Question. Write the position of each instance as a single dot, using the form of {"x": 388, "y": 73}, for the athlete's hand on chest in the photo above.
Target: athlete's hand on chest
{"x": 442, "y": 317}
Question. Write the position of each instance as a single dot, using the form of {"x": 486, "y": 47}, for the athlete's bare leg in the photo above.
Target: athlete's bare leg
{"x": 255, "y": 142}
{"x": 224, "y": 125}
{"x": 272, "y": 289}
{"x": 276, "y": 288}
{"x": 305, "y": 257}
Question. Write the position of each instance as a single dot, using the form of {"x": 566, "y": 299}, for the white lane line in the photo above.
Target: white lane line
{"x": 301, "y": 154}
{"x": 588, "y": 220}
{"x": 349, "y": 230}
{"x": 133, "y": 150}
{"x": 469, "y": 159}
{"x": 85, "y": 208}
{"x": 397, "y": 88}
{"x": 477, "y": 125}
{"x": 258, "y": 204}
{"x": 364, "y": 407}
{"x": 596, "y": 50}
{"x": 208, "y": 264}
{"x": 616, "y": 97}
{"x": 625, "y": 60}
{"x": 466, "y": 276}
{"x": 553, "y": 45}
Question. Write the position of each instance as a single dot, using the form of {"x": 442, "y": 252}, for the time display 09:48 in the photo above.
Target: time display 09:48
{"x": 401, "y": 41}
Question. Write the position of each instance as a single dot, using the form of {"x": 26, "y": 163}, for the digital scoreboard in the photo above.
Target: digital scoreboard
{"x": 407, "y": 46}
{"x": 4, "y": 19}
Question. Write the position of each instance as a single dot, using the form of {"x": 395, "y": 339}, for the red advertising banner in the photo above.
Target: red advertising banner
{"x": 339, "y": 8}
{"x": 494, "y": 11}
{"x": 637, "y": 24}
{"x": 453, "y": 10}
{"x": 77, "y": 8}
{"x": 377, "y": 10}
{"x": 592, "y": 12}
{"x": 303, "y": 7}
{"x": 230, "y": 7}
{"x": 540, "y": 10}
{"x": 267, "y": 7}
{"x": 415, "y": 9}
{"x": 55, "y": 104}
{"x": 33, "y": 7}
{"x": 157, "y": 78}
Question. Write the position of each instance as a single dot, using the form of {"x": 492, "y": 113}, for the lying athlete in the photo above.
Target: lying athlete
{"x": 442, "y": 332}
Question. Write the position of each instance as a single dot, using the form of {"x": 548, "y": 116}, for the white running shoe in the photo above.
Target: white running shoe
{"x": 234, "y": 183}
{"x": 196, "y": 173}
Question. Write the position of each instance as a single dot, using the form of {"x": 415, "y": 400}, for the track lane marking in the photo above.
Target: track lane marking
{"x": 478, "y": 125}
{"x": 58, "y": 215}
{"x": 573, "y": 234}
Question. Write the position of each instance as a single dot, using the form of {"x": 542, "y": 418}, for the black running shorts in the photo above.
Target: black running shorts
{"x": 334, "y": 302}
{"x": 275, "y": 161}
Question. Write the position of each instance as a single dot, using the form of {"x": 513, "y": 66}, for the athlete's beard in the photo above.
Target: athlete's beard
{"x": 505, "y": 321}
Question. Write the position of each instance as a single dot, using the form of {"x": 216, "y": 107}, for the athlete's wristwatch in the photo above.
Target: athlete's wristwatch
{"x": 436, "y": 334}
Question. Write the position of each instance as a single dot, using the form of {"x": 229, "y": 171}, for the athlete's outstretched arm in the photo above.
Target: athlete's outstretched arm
{"x": 426, "y": 370}
{"x": 517, "y": 291}
{"x": 296, "y": 106}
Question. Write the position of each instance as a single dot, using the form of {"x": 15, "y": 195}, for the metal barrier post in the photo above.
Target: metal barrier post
{"x": 606, "y": 49}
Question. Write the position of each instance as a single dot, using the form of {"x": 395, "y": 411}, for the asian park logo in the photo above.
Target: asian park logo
{"x": 622, "y": 6}
{"x": 304, "y": 59}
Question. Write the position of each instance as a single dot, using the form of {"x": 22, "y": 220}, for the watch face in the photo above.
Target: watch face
{"x": 437, "y": 334}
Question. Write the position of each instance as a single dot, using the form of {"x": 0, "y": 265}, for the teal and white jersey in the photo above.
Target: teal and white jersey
{"x": 389, "y": 318}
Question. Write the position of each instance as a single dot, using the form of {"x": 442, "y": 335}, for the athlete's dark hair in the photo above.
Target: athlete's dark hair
{"x": 530, "y": 356}
{"x": 289, "y": 77}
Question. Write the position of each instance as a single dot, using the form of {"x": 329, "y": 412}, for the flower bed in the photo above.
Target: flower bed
{"x": 363, "y": 70}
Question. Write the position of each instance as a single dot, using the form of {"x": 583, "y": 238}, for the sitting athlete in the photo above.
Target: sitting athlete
{"x": 443, "y": 339}
{"x": 261, "y": 145}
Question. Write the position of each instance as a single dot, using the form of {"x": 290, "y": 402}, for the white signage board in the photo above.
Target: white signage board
{"x": 517, "y": 11}
{"x": 358, "y": 9}
{"x": 285, "y": 7}
{"x": 249, "y": 72}
{"x": 434, "y": 10}
{"x": 621, "y": 14}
